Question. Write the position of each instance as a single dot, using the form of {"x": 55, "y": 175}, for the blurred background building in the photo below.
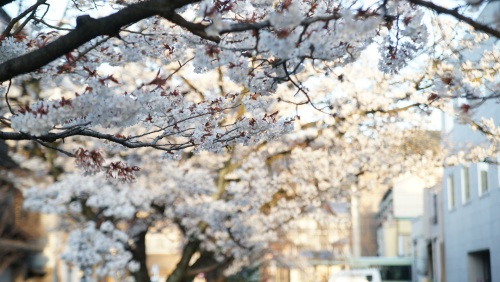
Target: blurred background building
{"x": 399, "y": 206}
{"x": 21, "y": 236}
{"x": 428, "y": 239}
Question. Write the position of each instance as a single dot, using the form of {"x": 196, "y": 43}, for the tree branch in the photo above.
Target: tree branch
{"x": 188, "y": 251}
{"x": 195, "y": 28}
{"x": 22, "y": 15}
{"x": 5, "y": 2}
{"x": 52, "y": 137}
{"x": 87, "y": 29}
{"x": 19, "y": 245}
{"x": 239, "y": 27}
{"x": 456, "y": 14}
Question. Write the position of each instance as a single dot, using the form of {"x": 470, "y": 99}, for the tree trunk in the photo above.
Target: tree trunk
{"x": 139, "y": 255}
{"x": 179, "y": 274}
{"x": 213, "y": 269}
{"x": 217, "y": 275}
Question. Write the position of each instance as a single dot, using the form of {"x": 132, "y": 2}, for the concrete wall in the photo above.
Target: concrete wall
{"x": 408, "y": 197}
{"x": 471, "y": 226}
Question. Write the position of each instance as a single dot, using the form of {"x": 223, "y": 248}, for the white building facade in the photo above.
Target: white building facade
{"x": 472, "y": 223}
{"x": 471, "y": 211}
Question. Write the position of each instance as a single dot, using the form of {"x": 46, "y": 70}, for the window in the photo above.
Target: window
{"x": 404, "y": 245}
{"x": 434, "y": 217}
{"x": 482, "y": 169}
{"x": 484, "y": 181}
{"x": 465, "y": 185}
{"x": 451, "y": 191}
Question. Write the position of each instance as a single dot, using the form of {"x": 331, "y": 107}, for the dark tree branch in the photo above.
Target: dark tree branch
{"x": 87, "y": 29}
{"x": 55, "y": 148}
{"x": 52, "y": 137}
{"x": 195, "y": 28}
{"x": 22, "y": 15}
{"x": 457, "y": 15}
{"x": 7, "y": 97}
{"x": 188, "y": 251}
{"x": 138, "y": 251}
{"x": 5, "y": 2}
{"x": 240, "y": 27}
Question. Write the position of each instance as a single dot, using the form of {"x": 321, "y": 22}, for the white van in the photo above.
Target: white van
{"x": 356, "y": 275}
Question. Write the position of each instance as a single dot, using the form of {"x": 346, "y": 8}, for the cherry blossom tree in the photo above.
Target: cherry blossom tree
{"x": 241, "y": 115}
{"x": 229, "y": 206}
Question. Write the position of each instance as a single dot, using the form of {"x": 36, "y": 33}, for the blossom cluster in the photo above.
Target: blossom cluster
{"x": 105, "y": 256}
{"x": 10, "y": 48}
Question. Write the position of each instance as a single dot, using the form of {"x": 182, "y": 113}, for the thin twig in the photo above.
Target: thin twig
{"x": 54, "y": 148}
{"x": 52, "y": 26}
{"x": 7, "y": 97}
{"x": 22, "y": 15}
